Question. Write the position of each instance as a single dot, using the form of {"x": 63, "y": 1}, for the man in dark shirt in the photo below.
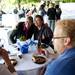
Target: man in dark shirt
{"x": 51, "y": 16}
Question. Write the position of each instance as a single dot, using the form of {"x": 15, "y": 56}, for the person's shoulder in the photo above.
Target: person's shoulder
{"x": 49, "y": 9}
{"x": 14, "y": 32}
{"x": 58, "y": 10}
{"x": 45, "y": 26}
{"x": 61, "y": 67}
{"x": 67, "y": 67}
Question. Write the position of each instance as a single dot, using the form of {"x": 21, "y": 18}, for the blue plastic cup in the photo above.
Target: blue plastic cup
{"x": 24, "y": 49}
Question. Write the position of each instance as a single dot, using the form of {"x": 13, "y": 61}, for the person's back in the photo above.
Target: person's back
{"x": 51, "y": 13}
{"x": 42, "y": 11}
{"x": 63, "y": 65}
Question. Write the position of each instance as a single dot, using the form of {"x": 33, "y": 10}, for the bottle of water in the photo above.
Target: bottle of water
{"x": 1, "y": 43}
{"x": 33, "y": 45}
{"x": 18, "y": 44}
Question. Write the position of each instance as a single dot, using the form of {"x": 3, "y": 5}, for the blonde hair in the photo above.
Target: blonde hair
{"x": 68, "y": 29}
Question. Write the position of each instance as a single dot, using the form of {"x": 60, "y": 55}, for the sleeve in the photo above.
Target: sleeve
{"x": 13, "y": 36}
{"x": 49, "y": 36}
{"x": 64, "y": 67}
{"x": 48, "y": 12}
{"x": 48, "y": 33}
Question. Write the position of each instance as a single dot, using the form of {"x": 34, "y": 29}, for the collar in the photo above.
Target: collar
{"x": 68, "y": 53}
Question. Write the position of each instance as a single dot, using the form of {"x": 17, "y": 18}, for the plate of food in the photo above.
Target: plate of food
{"x": 39, "y": 59}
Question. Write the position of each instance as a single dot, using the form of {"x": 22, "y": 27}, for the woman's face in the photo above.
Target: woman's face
{"x": 28, "y": 23}
{"x": 38, "y": 22}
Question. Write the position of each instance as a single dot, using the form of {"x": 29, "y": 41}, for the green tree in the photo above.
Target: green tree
{"x": 19, "y": 3}
{"x": 67, "y": 1}
{"x": 25, "y": 1}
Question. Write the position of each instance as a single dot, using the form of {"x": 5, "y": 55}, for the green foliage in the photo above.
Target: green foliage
{"x": 26, "y": 1}
{"x": 22, "y": 38}
{"x": 65, "y": 1}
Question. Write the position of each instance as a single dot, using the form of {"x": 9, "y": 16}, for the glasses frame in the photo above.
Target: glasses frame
{"x": 59, "y": 37}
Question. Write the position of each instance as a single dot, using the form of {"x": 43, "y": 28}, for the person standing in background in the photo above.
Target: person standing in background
{"x": 58, "y": 12}
{"x": 51, "y": 13}
{"x": 42, "y": 11}
{"x": 15, "y": 11}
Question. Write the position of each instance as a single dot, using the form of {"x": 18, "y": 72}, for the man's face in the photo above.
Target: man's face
{"x": 58, "y": 40}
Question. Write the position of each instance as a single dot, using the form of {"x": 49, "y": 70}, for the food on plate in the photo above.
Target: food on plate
{"x": 38, "y": 59}
{"x": 40, "y": 51}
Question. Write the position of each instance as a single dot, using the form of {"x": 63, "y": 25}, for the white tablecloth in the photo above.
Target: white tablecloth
{"x": 26, "y": 66}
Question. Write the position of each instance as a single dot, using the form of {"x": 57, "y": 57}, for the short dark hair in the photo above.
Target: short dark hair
{"x": 57, "y": 6}
{"x": 39, "y": 16}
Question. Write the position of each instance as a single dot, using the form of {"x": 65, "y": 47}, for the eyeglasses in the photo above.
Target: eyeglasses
{"x": 58, "y": 37}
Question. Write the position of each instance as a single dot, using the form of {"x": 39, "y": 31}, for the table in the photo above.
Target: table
{"x": 26, "y": 66}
